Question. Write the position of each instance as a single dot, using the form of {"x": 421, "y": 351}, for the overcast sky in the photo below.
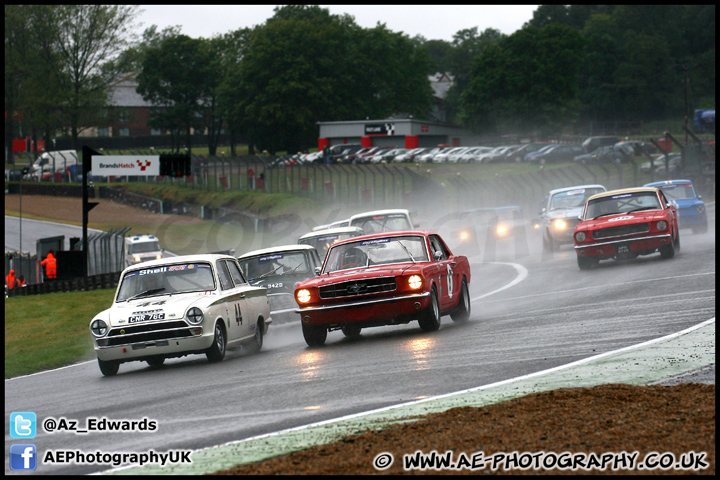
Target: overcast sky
{"x": 434, "y": 22}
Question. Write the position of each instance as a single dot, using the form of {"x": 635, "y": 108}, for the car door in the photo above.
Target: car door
{"x": 446, "y": 275}
{"x": 238, "y": 315}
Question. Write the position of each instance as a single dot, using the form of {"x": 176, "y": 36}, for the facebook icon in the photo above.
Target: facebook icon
{"x": 23, "y": 456}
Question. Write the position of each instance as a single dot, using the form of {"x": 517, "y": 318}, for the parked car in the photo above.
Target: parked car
{"x": 279, "y": 269}
{"x": 658, "y": 165}
{"x": 623, "y": 224}
{"x": 409, "y": 156}
{"x": 322, "y": 239}
{"x": 386, "y": 156}
{"x": 558, "y": 153}
{"x": 638, "y": 147}
{"x": 339, "y": 152}
{"x": 519, "y": 154}
{"x": 688, "y": 204}
{"x": 606, "y": 154}
{"x": 454, "y": 155}
{"x": 529, "y": 156}
{"x": 473, "y": 155}
{"x": 496, "y": 155}
{"x": 442, "y": 157}
{"x": 384, "y": 279}
{"x": 15, "y": 174}
{"x": 428, "y": 157}
{"x": 177, "y": 306}
{"x": 353, "y": 157}
{"x": 560, "y": 211}
{"x": 593, "y": 143}
{"x": 383, "y": 220}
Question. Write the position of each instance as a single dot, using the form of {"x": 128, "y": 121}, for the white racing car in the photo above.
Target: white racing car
{"x": 180, "y": 306}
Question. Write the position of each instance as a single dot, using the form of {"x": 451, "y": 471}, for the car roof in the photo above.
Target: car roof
{"x": 207, "y": 257}
{"x": 623, "y": 190}
{"x": 394, "y": 233}
{"x": 667, "y": 182}
{"x": 141, "y": 238}
{"x": 576, "y": 187}
{"x": 280, "y": 249}
{"x": 381, "y": 212}
{"x": 331, "y": 231}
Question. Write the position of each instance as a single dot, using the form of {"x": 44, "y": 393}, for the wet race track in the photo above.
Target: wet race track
{"x": 530, "y": 312}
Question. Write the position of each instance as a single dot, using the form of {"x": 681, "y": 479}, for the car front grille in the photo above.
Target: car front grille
{"x": 621, "y": 230}
{"x": 148, "y": 333}
{"x": 358, "y": 287}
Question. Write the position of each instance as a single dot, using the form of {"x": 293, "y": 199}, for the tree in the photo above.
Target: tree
{"x": 305, "y": 65}
{"x": 177, "y": 77}
{"x": 526, "y": 82}
{"x": 82, "y": 43}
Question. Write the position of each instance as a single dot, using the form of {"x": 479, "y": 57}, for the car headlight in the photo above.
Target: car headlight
{"x": 302, "y": 296}
{"x": 99, "y": 328}
{"x": 415, "y": 282}
{"x": 464, "y": 235}
{"x": 194, "y": 315}
{"x": 580, "y": 236}
{"x": 559, "y": 224}
{"x": 662, "y": 225}
{"x": 501, "y": 230}
{"x": 136, "y": 259}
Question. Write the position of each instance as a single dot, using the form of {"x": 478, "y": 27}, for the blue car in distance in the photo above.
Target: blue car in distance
{"x": 690, "y": 207}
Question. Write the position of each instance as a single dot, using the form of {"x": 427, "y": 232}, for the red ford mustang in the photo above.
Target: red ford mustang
{"x": 385, "y": 278}
{"x": 623, "y": 224}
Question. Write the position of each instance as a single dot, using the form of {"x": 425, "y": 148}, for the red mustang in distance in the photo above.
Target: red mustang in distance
{"x": 385, "y": 278}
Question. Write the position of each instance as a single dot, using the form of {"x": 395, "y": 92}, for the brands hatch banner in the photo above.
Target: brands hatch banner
{"x": 380, "y": 129}
{"x": 122, "y": 165}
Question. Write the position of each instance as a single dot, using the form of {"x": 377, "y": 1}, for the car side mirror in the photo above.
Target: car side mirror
{"x": 438, "y": 255}
{"x": 317, "y": 271}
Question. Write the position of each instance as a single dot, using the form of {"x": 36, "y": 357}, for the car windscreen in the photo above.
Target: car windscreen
{"x": 323, "y": 242}
{"x": 622, "y": 203}
{"x": 376, "y": 251}
{"x": 572, "y": 198}
{"x": 167, "y": 279}
{"x": 281, "y": 263}
{"x": 682, "y": 191}
{"x": 382, "y": 223}
{"x": 144, "y": 247}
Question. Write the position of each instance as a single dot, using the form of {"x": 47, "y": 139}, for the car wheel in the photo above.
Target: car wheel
{"x": 430, "y": 319}
{"x": 108, "y": 368}
{"x": 586, "y": 263}
{"x": 216, "y": 352}
{"x": 669, "y": 251}
{"x": 351, "y": 331}
{"x": 257, "y": 342}
{"x": 155, "y": 361}
{"x": 462, "y": 311}
{"x": 314, "y": 335}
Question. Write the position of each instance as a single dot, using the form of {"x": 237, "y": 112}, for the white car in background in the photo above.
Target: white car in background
{"x": 472, "y": 155}
{"x": 193, "y": 304}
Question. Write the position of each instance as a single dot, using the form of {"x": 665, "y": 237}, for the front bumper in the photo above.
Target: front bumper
{"x": 379, "y": 311}
{"x": 613, "y": 248}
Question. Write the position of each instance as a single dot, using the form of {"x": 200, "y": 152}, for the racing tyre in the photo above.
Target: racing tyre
{"x": 351, "y": 331}
{"x": 669, "y": 251}
{"x": 108, "y": 368}
{"x": 155, "y": 361}
{"x": 548, "y": 244}
{"x": 315, "y": 336}
{"x": 216, "y": 352}
{"x": 257, "y": 342}
{"x": 430, "y": 319}
{"x": 462, "y": 311}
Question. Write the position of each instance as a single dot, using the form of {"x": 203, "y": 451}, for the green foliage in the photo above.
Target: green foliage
{"x": 50, "y": 331}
